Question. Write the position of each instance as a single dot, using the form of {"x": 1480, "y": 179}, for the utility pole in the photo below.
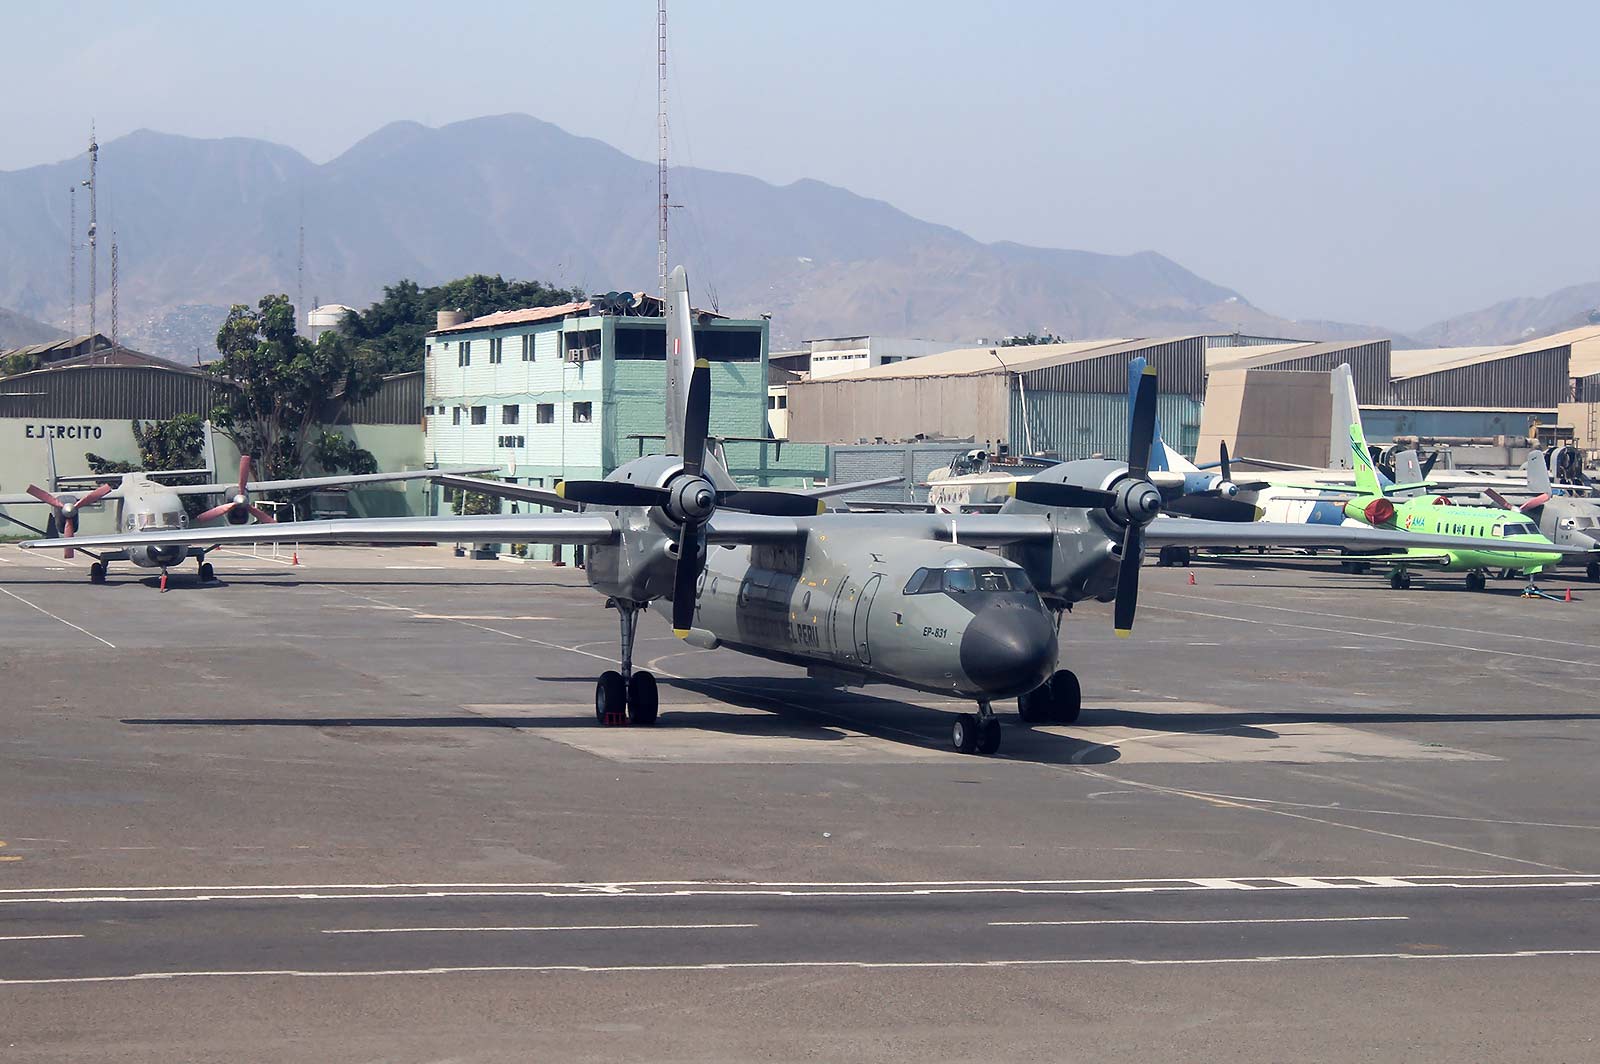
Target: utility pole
{"x": 94, "y": 161}
{"x": 72, "y": 254}
{"x": 661, "y": 146}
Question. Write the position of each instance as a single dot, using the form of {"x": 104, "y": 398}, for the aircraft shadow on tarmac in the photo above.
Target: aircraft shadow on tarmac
{"x": 799, "y": 708}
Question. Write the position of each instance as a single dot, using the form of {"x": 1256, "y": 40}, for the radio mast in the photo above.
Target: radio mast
{"x": 94, "y": 160}
{"x": 661, "y": 145}
{"x": 113, "y": 287}
{"x": 72, "y": 254}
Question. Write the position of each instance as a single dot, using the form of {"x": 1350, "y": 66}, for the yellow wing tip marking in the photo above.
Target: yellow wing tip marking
{"x": 1149, "y": 371}
{"x": 822, "y": 507}
{"x": 1123, "y": 633}
{"x": 1011, "y": 488}
{"x": 561, "y": 489}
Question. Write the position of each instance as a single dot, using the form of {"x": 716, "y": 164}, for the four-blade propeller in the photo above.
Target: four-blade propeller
{"x": 239, "y": 509}
{"x": 689, "y": 498}
{"x": 66, "y": 508}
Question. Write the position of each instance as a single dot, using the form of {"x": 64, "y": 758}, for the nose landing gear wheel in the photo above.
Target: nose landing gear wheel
{"x": 989, "y": 736}
{"x": 611, "y": 699}
{"x": 97, "y": 573}
{"x": 643, "y": 700}
{"x": 207, "y": 573}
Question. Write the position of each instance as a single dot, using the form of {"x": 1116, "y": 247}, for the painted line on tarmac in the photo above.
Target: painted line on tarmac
{"x": 735, "y": 966}
{"x": 1203, "y": 923}
{"x": 548, "y": 927}
{"x": 1541, "y": 640}
{"x": 1543, "y": 658}
{"x": 33, "y": 938}
{"x": 669, "y": 889}
{"x": 52, "y": 616}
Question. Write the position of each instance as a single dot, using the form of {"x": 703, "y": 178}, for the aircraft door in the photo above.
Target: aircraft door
{"x": 862, "y": 614}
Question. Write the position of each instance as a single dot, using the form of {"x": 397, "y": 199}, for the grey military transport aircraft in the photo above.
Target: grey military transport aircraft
{"x": 914, "y": 600}
{"x": 145, "y": 504}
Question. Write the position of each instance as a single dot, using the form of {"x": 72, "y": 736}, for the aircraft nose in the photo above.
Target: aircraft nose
{"x": 1008, "y": 649}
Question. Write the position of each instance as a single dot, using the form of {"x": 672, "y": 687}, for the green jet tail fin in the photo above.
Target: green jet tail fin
{"x": 1367, "y": 482}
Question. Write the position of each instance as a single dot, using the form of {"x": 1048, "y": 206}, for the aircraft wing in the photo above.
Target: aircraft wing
{"x": 1196, "y": 533}
{"x": 492, "y": 528}
{"x": 341, "y": 480}
{"x": 830, "y": 490}
{"x": 501, "y": 490}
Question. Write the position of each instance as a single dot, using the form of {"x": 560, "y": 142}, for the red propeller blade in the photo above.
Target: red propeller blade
{"x": 244, "y": 472}
{"x": 215, "y": 511}
{"x": 97, "y": 494}
{"x": 262, "y": 515}
{"x": 44, "y": 496}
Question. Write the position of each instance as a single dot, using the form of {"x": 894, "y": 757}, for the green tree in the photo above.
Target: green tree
{"x": 16, "y": 363}
{"x": 390, "y": 332}
{"x": 176, "y": 443}
{"x": 283, "y": 388}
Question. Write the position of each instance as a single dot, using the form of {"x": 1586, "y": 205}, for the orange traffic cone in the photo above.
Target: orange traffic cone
{"x": 1191, "y": 577}
{"x": 1569, "y": 596}
{"x": 296, "y": 559}
{"x": 163, "y": 581}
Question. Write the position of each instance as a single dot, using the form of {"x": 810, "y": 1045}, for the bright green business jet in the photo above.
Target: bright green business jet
{"x": 1437, "y": 515}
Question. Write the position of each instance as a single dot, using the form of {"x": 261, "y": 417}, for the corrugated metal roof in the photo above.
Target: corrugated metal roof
{"x": 1262, "y": 356}
{"x": 1428, "y": 359}
{"x": 967, "y": 361}
{"x": 530, "y": 315}
{"x": 1584, "y": 341}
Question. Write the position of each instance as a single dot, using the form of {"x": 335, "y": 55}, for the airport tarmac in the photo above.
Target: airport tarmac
{"x": 359, "y": 809}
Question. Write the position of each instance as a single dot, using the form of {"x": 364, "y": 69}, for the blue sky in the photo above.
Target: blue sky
{"x": 1390, "y": 163}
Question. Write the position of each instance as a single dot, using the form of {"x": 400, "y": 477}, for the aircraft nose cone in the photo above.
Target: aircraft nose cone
{"x": 1008, "y": 649}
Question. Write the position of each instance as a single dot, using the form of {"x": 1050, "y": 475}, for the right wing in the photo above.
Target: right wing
{"x": 501, "y": 490}
{"x": 1192, "y": 532}
{"x": 492, "y": 528}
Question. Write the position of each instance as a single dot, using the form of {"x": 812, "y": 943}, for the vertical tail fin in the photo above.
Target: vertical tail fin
{"x": 1346, "y": 412}
{"x": 1538, "y": 474}
{"x": 1367, "y": 480}
{"x": 680, "y": 356}
{"x": 50, "y": 462}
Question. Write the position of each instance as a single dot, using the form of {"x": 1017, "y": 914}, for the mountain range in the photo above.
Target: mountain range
{"x": 202, "y": 224}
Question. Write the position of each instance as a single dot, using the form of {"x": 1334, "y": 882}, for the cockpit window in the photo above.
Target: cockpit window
{"x": 1519, "y": 528}
{"x": 964, "y": 580}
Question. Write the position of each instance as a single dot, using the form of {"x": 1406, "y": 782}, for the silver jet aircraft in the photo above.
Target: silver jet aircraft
{"x": 913, "y": 600}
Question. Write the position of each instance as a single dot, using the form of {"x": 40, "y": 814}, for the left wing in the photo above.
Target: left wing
{"x": 345, "y": 480}
{"x": 829, "y": 490}
{"x": 491, "y": 528}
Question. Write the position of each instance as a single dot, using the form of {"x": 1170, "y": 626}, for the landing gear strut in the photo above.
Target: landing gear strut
{"x": 1400, "y": 580}
{"x": 976, "y": 733}
{"x": 626, "y": 697}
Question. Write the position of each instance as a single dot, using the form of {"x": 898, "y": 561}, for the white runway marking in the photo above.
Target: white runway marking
{"x": 1379, "y": 635}
{"x": 33, "y": 938}
{"x": 735, "y": 966}
{"x": 1262, "y": 920}
{"x": 63, "y": 620}
{"x": 667, "y": 889}
{"x": 561, "y": 927}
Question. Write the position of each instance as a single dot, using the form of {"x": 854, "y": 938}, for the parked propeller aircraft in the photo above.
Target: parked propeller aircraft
{"x": 908, "y": 599}
{"x": 1565, "y": 519}
{"x": 146, "y": 504}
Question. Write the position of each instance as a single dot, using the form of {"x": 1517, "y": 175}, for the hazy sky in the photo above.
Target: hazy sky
{"x": 1388, "y": 163}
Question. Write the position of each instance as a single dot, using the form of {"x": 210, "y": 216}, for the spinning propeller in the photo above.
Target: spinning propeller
{"x": 239, "y": 509}
{"x": 66, "y": 508}
{"x": 689, "y": 498}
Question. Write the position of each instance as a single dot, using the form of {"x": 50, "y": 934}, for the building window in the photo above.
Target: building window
{"x": 510, "y": 415}
{"x": 545, "y": 413}
{"x": 772, "y": 402}
{"x": 527, "y": 347}
{"x": 783, "y": 402}
{"x": 583, "y": 346}
{"x": 455, "y": 415}
{"x": 495, "y": 349}
{"x": 480, "y": 415}
{"x": 464, "y": 353}
{"x": 582, "y": 413}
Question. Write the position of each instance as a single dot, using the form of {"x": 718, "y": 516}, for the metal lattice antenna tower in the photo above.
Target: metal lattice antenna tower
{"x": 114, "y": 342}
{"x": 661, "y": 146}
{"x": 72, "y": 254}
{"x": 94, "y": 162}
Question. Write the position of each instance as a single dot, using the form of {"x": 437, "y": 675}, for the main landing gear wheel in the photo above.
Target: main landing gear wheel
{"x": 1170, "y": 556}
{"x": 1476, "y": 582}
{"x": 97, "y": 573}
{"x": 643, "y": 700}
{"x": 611, "y": 699}
{"x": 989, "y": 736}
{"x": 207, "y": 573}
{"x": 1400, "y": 580}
